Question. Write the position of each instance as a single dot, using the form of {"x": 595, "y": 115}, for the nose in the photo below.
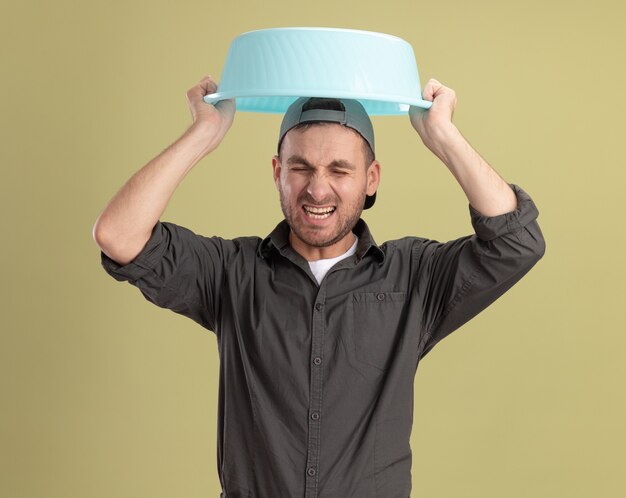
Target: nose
{"x": 319, "y": 188}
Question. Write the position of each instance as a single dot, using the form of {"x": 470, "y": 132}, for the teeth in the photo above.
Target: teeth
{"x": 318, "y": 213}
{"x": 316, "y": 210}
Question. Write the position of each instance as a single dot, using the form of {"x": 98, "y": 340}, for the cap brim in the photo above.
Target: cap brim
{"x": 369, "y": 201}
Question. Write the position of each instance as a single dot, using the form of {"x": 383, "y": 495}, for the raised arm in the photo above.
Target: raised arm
{"x": 487, "y": 192}
{"x": 126, "y": 223}
{"x": 460, "y": 278}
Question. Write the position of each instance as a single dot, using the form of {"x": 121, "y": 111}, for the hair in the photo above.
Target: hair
{"x": 333, "y": 105}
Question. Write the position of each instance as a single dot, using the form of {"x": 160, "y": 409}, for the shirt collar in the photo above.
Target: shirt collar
{"x": 278, "y": 239}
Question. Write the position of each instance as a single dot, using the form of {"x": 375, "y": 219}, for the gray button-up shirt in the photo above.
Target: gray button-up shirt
{"x": 316, "y": 381}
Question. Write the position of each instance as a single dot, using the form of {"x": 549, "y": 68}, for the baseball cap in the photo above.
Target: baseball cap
{"x": 352, "y": 114}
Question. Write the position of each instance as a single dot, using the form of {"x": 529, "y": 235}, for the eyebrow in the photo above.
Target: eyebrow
{"x": 342, "y": 163}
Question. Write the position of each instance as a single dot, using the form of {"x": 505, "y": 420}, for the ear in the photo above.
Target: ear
{"x": 276, "y": 168}
{"x": 373, "y": 177}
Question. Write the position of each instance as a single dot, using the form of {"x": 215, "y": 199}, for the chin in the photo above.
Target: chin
{"x": 317, "y": 238}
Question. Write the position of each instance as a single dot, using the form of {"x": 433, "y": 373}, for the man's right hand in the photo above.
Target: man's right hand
{"x": 215, "y": 119}
{"x": 125, "y": 225}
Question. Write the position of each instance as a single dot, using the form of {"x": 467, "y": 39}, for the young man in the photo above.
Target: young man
{"x": 319, "y": 328}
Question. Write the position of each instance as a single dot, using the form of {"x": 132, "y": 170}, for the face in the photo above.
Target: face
{"x": 322, "y": 181}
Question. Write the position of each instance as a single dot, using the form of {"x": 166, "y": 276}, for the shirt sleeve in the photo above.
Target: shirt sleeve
{"x": 460, "y": 278}
{"x": 178, "y": 270}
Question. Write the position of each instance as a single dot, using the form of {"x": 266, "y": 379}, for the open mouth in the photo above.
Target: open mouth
{"x": 319, "y": 213}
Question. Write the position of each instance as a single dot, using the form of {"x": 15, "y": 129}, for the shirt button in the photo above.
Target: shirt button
{"x": 380, "y": 296}
{"x": 311, "y": 471}
{"x": 315, "y": 415}
{"x": 317, "y": 360}
{"x": 319, "y": 306}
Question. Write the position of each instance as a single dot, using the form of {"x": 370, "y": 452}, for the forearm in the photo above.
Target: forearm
{"x": 125, "y": 225}
{"x": 486, "y": 191}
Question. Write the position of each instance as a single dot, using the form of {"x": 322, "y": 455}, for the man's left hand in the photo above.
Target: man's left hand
{"x": 432, "y": 123}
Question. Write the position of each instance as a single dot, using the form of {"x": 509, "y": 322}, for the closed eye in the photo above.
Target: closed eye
{"x": 339, "y": 166}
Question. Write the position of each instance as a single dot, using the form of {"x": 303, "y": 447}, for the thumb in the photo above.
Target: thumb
{"x": 205, "y": 86}
{"x": 432, "y": 86}
{"x": 226, "y": 106}
{"x": 416, "y": 110}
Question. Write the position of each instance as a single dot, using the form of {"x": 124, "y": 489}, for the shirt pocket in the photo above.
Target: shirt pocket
{"x": 377, "y": 319}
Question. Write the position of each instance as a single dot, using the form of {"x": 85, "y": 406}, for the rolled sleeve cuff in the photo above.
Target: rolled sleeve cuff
{"x": 491, "y": 227}
{"x": 145, "y": 261}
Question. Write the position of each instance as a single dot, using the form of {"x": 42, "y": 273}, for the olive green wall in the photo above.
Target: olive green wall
{"x": 105, "y": 395}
